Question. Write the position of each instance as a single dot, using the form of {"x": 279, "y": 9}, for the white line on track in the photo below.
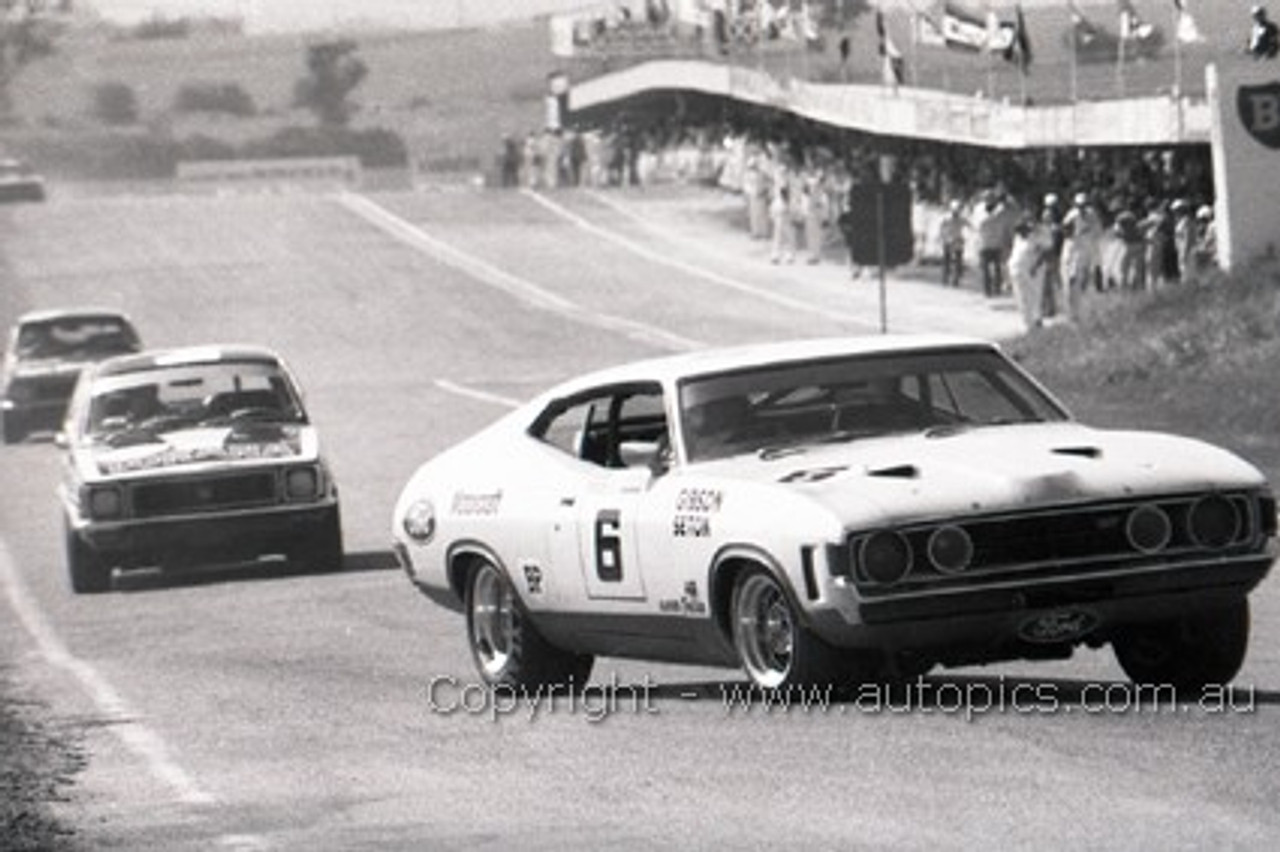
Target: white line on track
{"x": 485, "y": 272}
{"x": 472, "y": 393}
{"x": 680, "y": 265}
{"x": 136, "y": 736}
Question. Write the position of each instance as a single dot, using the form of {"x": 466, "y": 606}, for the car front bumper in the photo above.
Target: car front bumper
{"x": 1004, "y": 621}
{"x": 213, "y": 538}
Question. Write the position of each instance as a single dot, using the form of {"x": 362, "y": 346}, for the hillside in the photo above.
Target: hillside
{"x": 1196, "y": 360}
{"x": 450, "y": 94}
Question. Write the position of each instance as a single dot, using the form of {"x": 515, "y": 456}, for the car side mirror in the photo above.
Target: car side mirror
{"x": 638, "y": 453}
{"x": 60, "y": 440}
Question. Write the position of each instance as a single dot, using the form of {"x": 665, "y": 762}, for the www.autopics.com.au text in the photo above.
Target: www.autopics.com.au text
{"x": 598, "y": 700}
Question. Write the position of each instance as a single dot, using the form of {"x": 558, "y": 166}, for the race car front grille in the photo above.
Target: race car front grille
{"x": 1058, "y": 542}
{"x": 46, "y": 389}
{"x": 206, "y": 494}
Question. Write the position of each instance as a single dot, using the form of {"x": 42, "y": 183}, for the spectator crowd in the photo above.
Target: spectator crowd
{"x": 1049, "y": 227}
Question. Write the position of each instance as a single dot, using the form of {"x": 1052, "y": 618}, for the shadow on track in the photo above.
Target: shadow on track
{"x": 150, "y": 580}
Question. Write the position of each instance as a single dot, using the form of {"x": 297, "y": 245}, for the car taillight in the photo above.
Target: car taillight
{"x": 302, "y": 483}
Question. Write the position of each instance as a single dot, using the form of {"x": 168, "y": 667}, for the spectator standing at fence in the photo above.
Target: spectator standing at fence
{"x": 951, "y": 234}
{"x": 1264, "y": 38}
{"x": 509, "y": 161}
{"x": 992, "y": 236}
{"x": 1157, "y": 233}
{"x": 1184, "y": 238}
{"x": 782, "y": 249}
{"x": 1133, "y": 250}
{"x": 1082, "y": 230}
{"x": 1026, "y": 269}
{"x": 755, "y": 188}
{"x": 813, "y": 209}
{"x": 1051, "y": 220}
{"x": 1204, "y": 251}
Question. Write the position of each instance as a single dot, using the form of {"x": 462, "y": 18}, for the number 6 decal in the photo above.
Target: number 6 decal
{"x": 609, "y": 545}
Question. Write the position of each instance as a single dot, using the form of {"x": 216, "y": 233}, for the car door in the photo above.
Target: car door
{"x": 611, "y": 432}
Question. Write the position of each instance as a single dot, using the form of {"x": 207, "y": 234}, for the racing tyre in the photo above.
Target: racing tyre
{"x": 13, "y": 430}
{"x": 88, "y": 572}
{"x": 773, "y": 646}
{"x": 322, "y": 550}
{"x": 508, "y": 650}
{"x": 1188, "y": 653}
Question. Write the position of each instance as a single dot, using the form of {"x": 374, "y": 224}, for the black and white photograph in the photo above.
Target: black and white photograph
{"x": 631, "y": 424}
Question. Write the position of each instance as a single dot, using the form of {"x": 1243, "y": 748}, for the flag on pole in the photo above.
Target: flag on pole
{"x": 890, "y": 56}
{"x": 1132, "y": 27}
{"x": 1019, "y": 50}
{"x": 1187, "y": 31}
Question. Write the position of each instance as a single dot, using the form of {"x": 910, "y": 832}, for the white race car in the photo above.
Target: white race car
{"x": 834, "y": 510}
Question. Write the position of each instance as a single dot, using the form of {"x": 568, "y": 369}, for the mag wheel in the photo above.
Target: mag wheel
{"x": 507, "y": 648}
{"x": 774, "y": 648}
{"x": 1188, "y": 653}
{"x": 88, "y": 572}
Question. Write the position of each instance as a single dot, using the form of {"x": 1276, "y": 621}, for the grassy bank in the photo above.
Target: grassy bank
{"x": 37, "y": 767}
{"x": 1196, "y": 360}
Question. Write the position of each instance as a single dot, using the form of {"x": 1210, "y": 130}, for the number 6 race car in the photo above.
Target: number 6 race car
{"x": 834, "y": 510}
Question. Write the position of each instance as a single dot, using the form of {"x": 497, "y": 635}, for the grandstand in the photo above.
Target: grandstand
{"x": 1159, "y": 73}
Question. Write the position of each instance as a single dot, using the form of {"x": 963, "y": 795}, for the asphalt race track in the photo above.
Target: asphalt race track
{"x": 257, "y": 710}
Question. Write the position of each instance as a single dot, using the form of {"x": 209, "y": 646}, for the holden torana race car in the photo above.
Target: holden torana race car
{"x": 187, "y": 457}
{"x": 45, "y": 353}
{"x": 834, "y": 510}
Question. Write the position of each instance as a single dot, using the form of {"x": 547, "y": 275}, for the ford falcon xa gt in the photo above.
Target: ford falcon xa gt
{"x": 46, "y": 351}
{"x": 835, "y": 510}
{"x": 189, "y": 457}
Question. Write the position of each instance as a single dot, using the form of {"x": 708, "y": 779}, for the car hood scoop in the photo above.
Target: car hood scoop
{"x": 1084, "y": 452}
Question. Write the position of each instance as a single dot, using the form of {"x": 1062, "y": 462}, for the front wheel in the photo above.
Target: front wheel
{"x": 507, "y": 649}
{"x": 14, "y": 430}
{"x": 88, "y": 572}
{"x": 1187, "y": 653}
{"x": 322, "y": 551}
{"x": 776, "y": 650}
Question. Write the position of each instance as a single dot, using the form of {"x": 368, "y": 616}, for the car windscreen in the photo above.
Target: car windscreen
{"x": 223, "y": 393}
{"x": 77, "y": 338}
{"x": 837, "y": 399}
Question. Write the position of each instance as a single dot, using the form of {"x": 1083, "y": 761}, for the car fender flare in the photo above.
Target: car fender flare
{"x": 457, "y": 566}
{"x": 728, "y": 562}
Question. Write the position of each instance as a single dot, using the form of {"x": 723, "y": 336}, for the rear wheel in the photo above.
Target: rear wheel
{"x": 1188, "y": 653}
{"x": 89, "y": 573}
{"x": 508, "y": 650}
{"x": 776, "y": 650}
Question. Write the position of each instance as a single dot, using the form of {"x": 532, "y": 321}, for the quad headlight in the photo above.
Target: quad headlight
{"x": 885, "y": 557}
{"x": 1214, "y": 521}
{"x": 950, "y": 549}
{"x": 1148, "y": 529}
